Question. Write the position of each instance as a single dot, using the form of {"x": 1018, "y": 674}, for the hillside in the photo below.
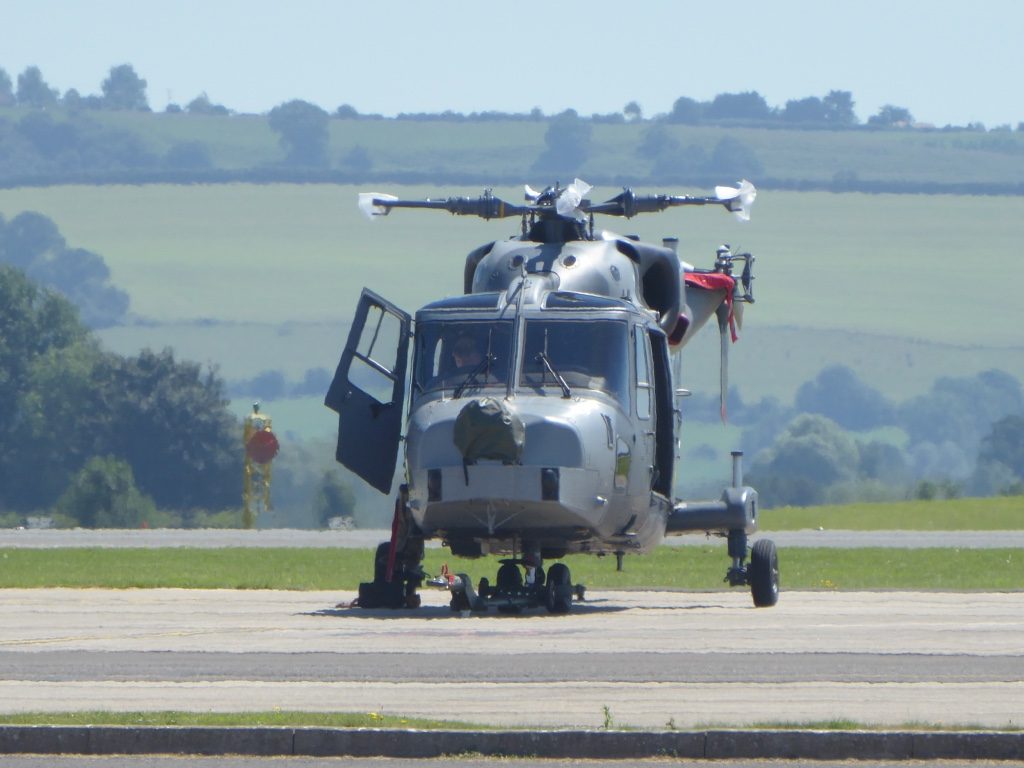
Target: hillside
{"x": 258, "y": 277}
{"x": 135, "y": 147}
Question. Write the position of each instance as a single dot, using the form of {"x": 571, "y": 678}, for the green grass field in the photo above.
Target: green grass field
{"x": 910, "y": 266}
{"x": 250, "y": 277}
{"x": 998, "y": 513}
{"x": 693, "y": 568}
{"x": 285, "y": 718}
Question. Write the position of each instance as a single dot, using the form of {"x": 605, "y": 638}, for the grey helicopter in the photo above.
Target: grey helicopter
{"x": 540, "y": 408}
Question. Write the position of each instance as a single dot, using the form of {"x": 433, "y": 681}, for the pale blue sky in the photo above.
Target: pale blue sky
{"x": 948, "y": 61}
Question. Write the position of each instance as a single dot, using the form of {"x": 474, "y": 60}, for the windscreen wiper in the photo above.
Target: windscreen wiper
{"x": 543, "y": 357}
{"x": 471, "y": 376}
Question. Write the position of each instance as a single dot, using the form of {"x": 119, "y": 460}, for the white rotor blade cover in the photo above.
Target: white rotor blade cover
{"x": 568, "y": 202}
{"x": 367, "y": 206}
{"x": 744, "y": 195}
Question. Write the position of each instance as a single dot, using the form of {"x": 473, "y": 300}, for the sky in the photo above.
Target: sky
{"x": 947, "y": 61}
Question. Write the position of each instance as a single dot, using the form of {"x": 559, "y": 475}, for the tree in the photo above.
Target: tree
{"x": 961, "y": 410}
{"x": 333, "y": 498}
{"x": 33, "y": 322}
{"x": 749, "y": 105}
{"x": 568, "y": 141}
{"x": 731, "y": 157}
{"x": 170, "y": 420}
{"x": 63, "y": 401}
{"x": 201, "y": 105}
{"x": 33, "y": 90}
{"x": 84, "y": 278}
{"x": 62, "y": 421}
{"x": 124, "y": 89}
{"x": 812, "y": 454}
{"x": 32, "y": 242}
{"x": 633, "y": 112}
{"x": 686, "y": 110}
{"x": 809, "y": 110}
{"x": 1005, "y": 444}
{"x": 6, "y": 89}
{"x": 882, "y": 461}
{"x": 839, "y": 108}
{"x": 678, "y": 164}
{"x": 72, "y": 100}
{"x": 103, "y": 495}
{"x": 27, "y": 237}
{"x": 315, "y": 382}
{"x": 303, "y": 132}
{"x": 50, "y": 138}
{"x": 358, "y": 160}
{"x": 657, "y": 141}
{"x": 890, "y": 116}
{"x": 840, "y": 395}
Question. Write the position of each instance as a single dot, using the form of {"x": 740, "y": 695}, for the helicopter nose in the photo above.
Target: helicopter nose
{"x": 487, "y": 428}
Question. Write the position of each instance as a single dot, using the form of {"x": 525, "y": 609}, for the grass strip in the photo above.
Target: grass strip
{"x": 998, "y": 513}
{"x": 286, "y": 719}
{"x": 698, "y": 568}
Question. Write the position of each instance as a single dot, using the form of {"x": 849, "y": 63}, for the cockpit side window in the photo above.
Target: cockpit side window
{"x": 452, "y": 353}
{"x": 586, "y": 354}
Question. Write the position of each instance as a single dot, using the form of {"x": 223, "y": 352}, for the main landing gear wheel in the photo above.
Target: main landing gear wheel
{"x": 558, "y": 590}
{"x": 763, "y": 573}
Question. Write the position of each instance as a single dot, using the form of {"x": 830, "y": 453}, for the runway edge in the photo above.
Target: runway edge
{"x": 582, "y": 744}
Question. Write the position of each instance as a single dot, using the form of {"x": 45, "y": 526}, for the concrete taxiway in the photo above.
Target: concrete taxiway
{"x": 637, "y": 659}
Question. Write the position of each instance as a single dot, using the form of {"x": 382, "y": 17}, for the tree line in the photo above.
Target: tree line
{"x": 97, "y": 439}
{"x": 48, "y": 137}
{"x": 963, "y": 437}
{"x": 124, "y": 89}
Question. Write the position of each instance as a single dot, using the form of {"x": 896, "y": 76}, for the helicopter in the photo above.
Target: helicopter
{"x": 540, "y": 408}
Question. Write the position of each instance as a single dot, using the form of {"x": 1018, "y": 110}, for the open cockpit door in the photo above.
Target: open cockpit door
{"x": 368, "y": 390}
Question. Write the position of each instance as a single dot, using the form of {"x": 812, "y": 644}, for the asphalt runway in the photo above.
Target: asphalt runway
{"x": 643, "y": 659}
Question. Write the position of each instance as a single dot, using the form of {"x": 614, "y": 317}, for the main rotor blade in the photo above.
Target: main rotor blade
{"x": 486, "y": 206}
{"x": 629, "y": 204}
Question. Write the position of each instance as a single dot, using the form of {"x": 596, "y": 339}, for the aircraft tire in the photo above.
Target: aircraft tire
{"x": 558, "y": 592}
{"x": 510, "y": 578}
{"x": 764, "y": 573}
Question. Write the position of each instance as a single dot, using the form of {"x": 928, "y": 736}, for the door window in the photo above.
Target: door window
{"x": 643, "y": 374}
{"x": 376, "y": 355}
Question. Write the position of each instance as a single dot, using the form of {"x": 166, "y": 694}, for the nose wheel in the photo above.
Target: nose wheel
{"x": 511, "y": 592}
{"x": 761, "y": 574}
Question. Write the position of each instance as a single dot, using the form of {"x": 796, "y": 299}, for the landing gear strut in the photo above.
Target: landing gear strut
{"x": 762, "y": 574}
{"x": 397, "y": 570}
